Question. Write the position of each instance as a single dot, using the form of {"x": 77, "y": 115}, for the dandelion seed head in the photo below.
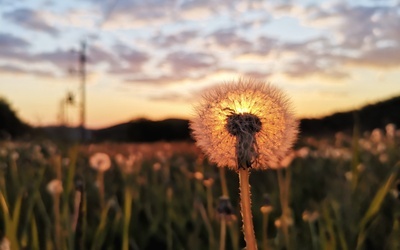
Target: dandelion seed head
{"x": 246, "y": 120}
{"x": 100, "y": 162}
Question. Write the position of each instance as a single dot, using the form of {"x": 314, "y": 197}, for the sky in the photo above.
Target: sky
{"x": 151, "y": 59}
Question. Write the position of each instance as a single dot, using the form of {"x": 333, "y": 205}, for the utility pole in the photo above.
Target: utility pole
{"x": 82, "y": 72}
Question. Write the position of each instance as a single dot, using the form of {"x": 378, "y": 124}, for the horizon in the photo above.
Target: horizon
{"x": 152, "y": 59}
{"x": 188, "y": 118}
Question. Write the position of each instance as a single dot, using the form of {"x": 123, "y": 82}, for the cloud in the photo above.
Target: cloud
{"x": 129, "y": 60}
{"x": 9, "y": 69}
{"x": 303, "y": 68}
{"x": 228, "y": 38}
{"x": 156, "y": 80}
{"x": 171, "y": 97}
{"x": 31, "y": 20}
{"x": 182, "y": 62}
{"x": 387, "y": 57}
{"x": 11, "y": 42}
{"x": 176, "y": 39}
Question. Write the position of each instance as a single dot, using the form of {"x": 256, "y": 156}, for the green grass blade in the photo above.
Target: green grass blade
{"x": 375, "y": 205}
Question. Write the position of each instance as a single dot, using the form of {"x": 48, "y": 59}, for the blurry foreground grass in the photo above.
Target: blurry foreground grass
{"x": 336, "y": 193}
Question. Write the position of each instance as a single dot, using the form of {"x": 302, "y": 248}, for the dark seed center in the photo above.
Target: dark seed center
{"x": 245, "y": 123}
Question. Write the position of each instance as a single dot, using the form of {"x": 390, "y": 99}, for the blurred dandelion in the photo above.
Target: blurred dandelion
{"x": 55, "y": 187}
{"x": 266, "y": 209}
{"x": 243, "y": 125}
{"x": 226, "y": 215}
{"x": 5, "y": 244}
{"x": 100, "y": 162}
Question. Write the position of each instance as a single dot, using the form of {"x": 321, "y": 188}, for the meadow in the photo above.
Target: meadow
{"x": 333, "y": 192}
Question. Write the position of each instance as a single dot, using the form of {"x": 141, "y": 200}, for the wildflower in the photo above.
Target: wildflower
{"x": 55, "y": 187}
{"x": 246, "y": 121}
{"x": 100, "y": 162}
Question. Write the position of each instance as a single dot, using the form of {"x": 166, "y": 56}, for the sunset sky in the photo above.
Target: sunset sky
{"x": 152, "y": 58}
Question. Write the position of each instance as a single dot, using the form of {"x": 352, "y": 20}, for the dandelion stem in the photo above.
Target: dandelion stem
{"x": 284, "y": 184}
{"x": 265, "y": 231}
{"x": 245, "y": 203}
{"x": 56, "y": 207}
{"x": 100, "y": 183}
{"x": 223, "y": 182}
{"x": 222, "y": 236}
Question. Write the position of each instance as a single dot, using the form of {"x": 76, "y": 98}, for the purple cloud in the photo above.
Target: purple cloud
{"x": 31, "y": 20}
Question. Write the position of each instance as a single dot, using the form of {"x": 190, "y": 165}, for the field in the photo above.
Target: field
{"x": 338, "y": 192}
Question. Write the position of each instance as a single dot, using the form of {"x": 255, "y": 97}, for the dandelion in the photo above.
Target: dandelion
{"x": 390, "y": 130}
{"x": 243, "y": 125}
{"x": 55, "y": 188}
{"x": 248, "y": 120}
{"x": 100, "y": 162}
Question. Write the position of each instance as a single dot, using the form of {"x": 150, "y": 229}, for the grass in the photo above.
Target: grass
{"x": 165, "y": 199}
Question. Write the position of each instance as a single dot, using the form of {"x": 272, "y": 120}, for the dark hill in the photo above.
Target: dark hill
{"x": 143, "y": 130}
{"x": 369, "y": 117}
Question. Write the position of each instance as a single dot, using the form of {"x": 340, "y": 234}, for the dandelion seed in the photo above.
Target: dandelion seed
{"x": 100, "y": 162}
{"x": 247, "y": 121}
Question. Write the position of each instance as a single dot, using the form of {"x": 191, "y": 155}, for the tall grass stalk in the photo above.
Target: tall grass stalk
{"x": 284, "y": 187}
{"x": 127, "y": 218}
{"x": 265, "y": 231}
{"x": 222, "y": 234}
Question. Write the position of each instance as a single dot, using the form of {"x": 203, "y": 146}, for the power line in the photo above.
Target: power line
{"x": 82, "y": 73}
